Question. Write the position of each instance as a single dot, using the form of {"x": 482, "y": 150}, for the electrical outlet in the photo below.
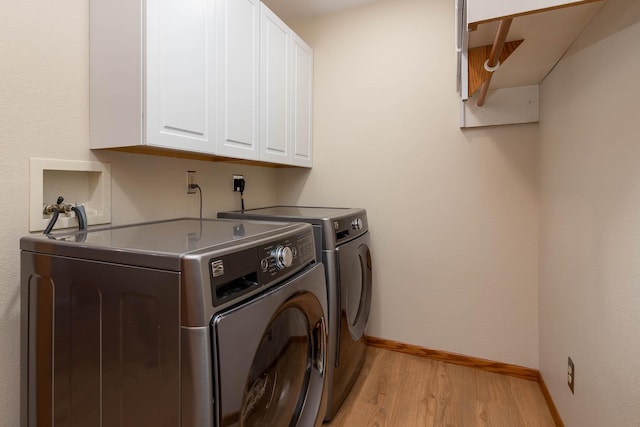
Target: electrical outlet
{"x": 238, "y": 183}
{"x": 571, "y": 374}
{"x": 191, "y": 182}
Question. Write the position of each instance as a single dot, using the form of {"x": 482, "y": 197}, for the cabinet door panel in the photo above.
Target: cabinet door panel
{"x": 301, "y": 138}
{"x": 179, "y": 53}
{"x": 275, "y": 96}
{"x": 239, "y": 85}
{"x": 115, "y": 73}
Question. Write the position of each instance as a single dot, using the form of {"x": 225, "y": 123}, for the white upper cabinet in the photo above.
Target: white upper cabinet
{"x": 152, "y": 88}
{"x": 218, "y": 77}
{"x": 275, "y": 83}
{"x": 239, "y": 83}
{"x": 286, "y": 94}
{"x": 302, "y": 81}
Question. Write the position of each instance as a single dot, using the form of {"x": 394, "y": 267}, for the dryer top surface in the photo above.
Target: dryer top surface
{"x": 296, "y": 213}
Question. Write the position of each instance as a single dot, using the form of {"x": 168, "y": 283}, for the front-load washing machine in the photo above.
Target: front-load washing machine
{"x": 342, "y": 245}
{"x": 185, "y": 322}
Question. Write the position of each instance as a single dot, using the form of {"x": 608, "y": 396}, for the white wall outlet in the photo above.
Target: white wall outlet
{"x": 191, "y": 182}
{"x": 238, "y": 183}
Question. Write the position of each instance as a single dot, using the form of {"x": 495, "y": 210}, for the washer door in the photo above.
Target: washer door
{"x": 355, "y": 283}
{"x": 272, "y": 376}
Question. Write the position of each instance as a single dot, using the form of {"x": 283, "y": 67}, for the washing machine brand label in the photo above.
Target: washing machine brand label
{"x": 217, "y": 268}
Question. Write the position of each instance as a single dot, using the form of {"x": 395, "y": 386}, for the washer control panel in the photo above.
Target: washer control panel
{"x": 239, "y": 273}
{"x": 278, "y": 258}
{"x": 283, "y": 256}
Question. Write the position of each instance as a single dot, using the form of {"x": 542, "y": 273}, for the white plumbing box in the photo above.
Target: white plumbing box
{"x": 79, "y": 182}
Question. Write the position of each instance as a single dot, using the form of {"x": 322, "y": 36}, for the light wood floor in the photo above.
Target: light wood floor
{"x": 400, "y": 390}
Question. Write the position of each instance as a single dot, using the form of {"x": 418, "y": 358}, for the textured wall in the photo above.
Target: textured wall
{"x": 590, "y": 222}
{"x": 453, "y": 214}
{"x": 44, "y": 101}
{"x": 43, "y": 112}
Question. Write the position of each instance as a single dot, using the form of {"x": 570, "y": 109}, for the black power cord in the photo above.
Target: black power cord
{"x": 238, "y": 185}
{"x": 197, "y": 187}
{"x": 242, "y": 194}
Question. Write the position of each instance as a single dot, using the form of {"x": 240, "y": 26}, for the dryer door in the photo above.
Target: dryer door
{"x": 271, "y": 359}
{"x": 355, "y": 283}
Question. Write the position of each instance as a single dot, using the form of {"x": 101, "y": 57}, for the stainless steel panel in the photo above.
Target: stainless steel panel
{"x": 40, "y": 299}
{"x": 196, "y": 384}
{"x": 114, "y": 353}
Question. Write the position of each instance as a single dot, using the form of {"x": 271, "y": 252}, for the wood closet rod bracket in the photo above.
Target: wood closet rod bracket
{"x": 485, "y": 60}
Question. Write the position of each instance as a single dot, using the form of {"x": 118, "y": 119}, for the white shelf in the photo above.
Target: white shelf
{"x": 547, "y": 28}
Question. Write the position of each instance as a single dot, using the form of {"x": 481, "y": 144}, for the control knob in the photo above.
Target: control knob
{"x": 356, "y": 224}
{"x": 283, "y": 257}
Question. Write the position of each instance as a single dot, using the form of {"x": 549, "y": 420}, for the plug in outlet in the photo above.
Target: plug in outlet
{"x": 571, "y": 374}
{"x": 238, "y": 183}
{"x": 191, "y": 182}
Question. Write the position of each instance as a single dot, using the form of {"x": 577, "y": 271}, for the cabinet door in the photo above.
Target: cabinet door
{"x": 275, "y": 96}
{"x": 238, "y": 68}
{"x": 115, "y": 73}
{"x": 301, "y": 109}
{"x": 180, "y": 53}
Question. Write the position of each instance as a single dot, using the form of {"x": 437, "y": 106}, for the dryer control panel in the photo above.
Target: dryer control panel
{"x": 348, "y": 228}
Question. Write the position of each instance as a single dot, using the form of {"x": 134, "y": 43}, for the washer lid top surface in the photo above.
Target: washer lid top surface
{"x": 175, "y": 236}
{"x": 139, "y": 244}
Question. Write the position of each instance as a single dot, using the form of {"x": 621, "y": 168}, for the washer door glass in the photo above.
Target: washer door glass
{"x": 280, "y": 372}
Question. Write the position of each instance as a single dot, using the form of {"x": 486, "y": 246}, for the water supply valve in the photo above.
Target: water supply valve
{"x": 59, "y": 206}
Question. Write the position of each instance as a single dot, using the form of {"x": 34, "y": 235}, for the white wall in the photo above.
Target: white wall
{"x": 453, "y": 214}
{"x": 590, "y": 222}
{"x": 44, "y": 101}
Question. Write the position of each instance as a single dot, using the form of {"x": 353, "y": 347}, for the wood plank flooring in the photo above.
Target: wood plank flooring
{"x": 401, "y": 390}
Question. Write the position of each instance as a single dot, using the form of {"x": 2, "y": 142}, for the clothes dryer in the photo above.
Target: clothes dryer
{"x": 343, "y": 246}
